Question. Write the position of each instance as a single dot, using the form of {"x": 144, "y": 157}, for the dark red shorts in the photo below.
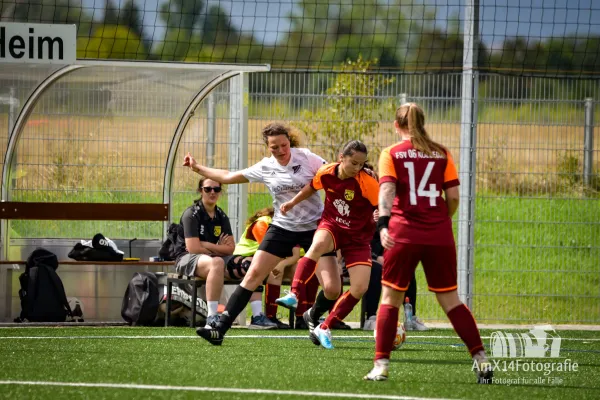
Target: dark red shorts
{"x": 354, "y": 247}
{"x": 439, "y": 264}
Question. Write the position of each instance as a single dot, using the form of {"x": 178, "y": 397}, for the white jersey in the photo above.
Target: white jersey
{"x": 284, "y": 182}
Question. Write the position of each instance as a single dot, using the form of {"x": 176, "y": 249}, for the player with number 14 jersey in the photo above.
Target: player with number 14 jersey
{"x": 419, "y": 212}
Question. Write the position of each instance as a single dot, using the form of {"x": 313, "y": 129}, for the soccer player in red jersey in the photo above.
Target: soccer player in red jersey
{"x": 415, "y": 226}
{"x": 347, "y": 225}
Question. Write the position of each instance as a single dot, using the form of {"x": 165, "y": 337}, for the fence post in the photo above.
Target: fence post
{"x": 588, "y": 142}
{"x": 12, "y": 117}
{"x": 211, "y": 122}
{"x": 12, "y": 109}
{"x": 13, "y": 105}
{"x": 468, "y": 136}
{"x": 5, "y": 276}
{"x": 237, "y": 195}
{"x": 403, "y": 98}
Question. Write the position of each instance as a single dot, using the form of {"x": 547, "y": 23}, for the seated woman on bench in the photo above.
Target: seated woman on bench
{"x": 204, "y": 244}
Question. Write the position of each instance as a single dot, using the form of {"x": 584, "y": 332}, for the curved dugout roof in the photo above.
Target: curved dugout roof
{"x": 168, "y": 90}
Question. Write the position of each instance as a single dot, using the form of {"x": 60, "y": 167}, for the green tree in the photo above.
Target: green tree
{"x": 48, "y": 11}
{"x": 351, "y": 110}
{"x": 182, "y": 18}
{"x": 518, "y": 55}
{"x": 111, "y": 13}
{"x": 128, "y": 16}
{"x": 217, "y": 28}
{"x": 328, "y": 32}
{"x": 132, "y": 17}
{"x": 197, "y": 35}
{"x": 111, "y": 41}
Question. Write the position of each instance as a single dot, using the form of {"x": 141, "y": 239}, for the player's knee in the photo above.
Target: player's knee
{"x": 331, "y": 293}
{"x": 253, "y": 278}
{"x": 320, "y": 248}
{"x": 218, "y": 262}
{"x": 448, "y": 300}
{"x": 217, "y": 266}
{"x": 359, "y": 289}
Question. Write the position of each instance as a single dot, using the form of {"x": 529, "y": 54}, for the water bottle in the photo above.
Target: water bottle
{"x": 408, "y": 312}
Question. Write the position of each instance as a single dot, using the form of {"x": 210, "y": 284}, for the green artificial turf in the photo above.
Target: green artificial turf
{"x": 426, "y": 366}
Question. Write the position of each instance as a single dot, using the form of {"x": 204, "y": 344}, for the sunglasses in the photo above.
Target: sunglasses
{"x": 208, "y": 189}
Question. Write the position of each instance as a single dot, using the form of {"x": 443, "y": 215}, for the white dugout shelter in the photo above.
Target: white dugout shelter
{"x": 101, "y": 131}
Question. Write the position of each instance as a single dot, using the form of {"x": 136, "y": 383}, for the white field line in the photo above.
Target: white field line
{"x": 354, "y": 325}
{"x": 248, "y": 337}
{"x": 211, "y": 389}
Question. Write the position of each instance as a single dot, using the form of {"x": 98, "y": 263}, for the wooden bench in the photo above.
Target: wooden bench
{"x": 84, "y": 212}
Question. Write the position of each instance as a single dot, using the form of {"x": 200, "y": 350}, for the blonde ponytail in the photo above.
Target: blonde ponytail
{"x": 411, "y": 117}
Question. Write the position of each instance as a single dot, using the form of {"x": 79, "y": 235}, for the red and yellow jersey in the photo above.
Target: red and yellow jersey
{"x": 349, "y": 203}
{"x": 419, "y": 212}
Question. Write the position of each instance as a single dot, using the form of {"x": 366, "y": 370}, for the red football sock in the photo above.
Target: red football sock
{"x": 310, "y": 293}
{"x": 301, "y": 306}
{"x": 272, "y": 293}
{"x": 304, "y": 272}
{"x": 341, "y": 309}
{"x": 465, "y": 326}
{"x": 312, "y": 287}
{"x": 386, "y": 327}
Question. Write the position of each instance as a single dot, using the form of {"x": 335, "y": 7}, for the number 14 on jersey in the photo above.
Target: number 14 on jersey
{"x": 421, "y": 191}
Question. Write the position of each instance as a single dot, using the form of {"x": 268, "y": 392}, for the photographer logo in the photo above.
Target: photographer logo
{"x": 540, "y": 342}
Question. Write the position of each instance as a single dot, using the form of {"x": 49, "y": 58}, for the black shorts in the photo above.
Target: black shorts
{"x": 280, "y": 242}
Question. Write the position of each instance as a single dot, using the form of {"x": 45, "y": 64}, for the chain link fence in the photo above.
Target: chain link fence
{"x": 537, "y": 178}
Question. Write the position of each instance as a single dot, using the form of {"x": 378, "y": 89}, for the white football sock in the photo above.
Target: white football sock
{"x": 213, "y": 306}
{"x": 256, "y": 307}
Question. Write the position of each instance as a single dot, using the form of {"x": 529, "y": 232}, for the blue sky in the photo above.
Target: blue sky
{"x": 533, "y": 18}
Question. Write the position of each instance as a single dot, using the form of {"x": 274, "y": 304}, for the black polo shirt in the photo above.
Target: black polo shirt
{"x": 197, "y": 223}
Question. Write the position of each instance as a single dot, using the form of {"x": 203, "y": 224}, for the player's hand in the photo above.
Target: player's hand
{"x": 189, "y": 161}
{"x": 376, "y": 215}
{"x": 277, "y": 271}
{"x": 226, "y": 239}
{"x": 285, "y": 207}
{"x": 208, "y": 246}
{"x": 386, "y": 240}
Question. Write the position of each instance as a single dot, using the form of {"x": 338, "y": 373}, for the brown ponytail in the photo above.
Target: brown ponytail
{"x": 412, "y": 118}
{"x": 260, "y": 213}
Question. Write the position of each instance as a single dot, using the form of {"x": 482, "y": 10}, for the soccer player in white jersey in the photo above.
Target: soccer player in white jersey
{"x": 285, "y": 173}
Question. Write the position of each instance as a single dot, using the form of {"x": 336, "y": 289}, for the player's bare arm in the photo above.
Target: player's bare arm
{"x": 452, "y": 200}
{"x": 302, "y": 195}
{"x": 387, "y": 191}
{"x": 194, "y": 246}
{"x": 219, "y": 175}
{"x": 224, "y": 247}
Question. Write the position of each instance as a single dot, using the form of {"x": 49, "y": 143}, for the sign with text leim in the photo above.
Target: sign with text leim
{"x": 38, "y": 43}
